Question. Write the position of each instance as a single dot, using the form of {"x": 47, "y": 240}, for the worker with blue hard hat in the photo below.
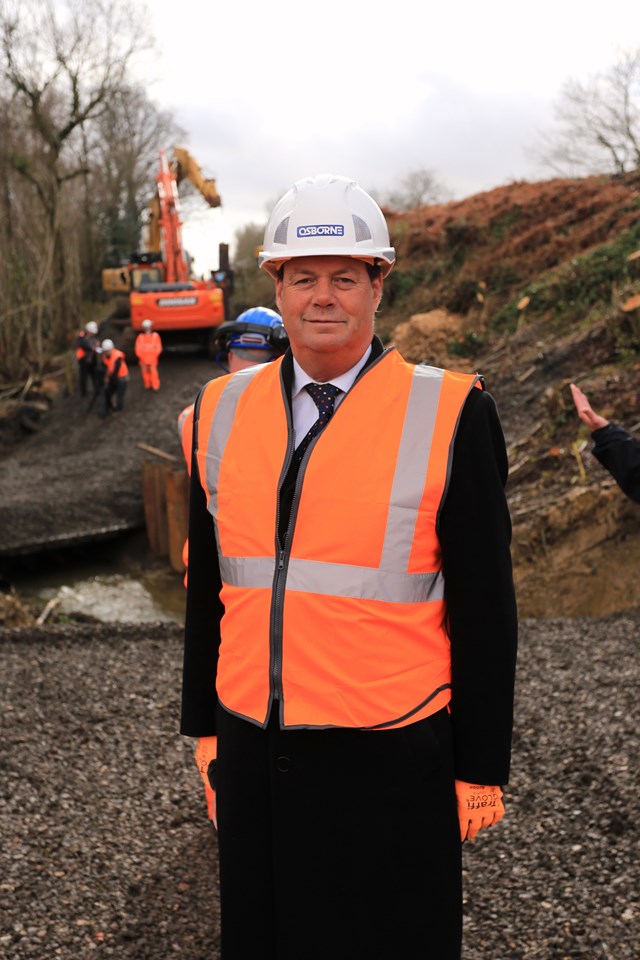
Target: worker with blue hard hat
{"x": 256, "y": 336}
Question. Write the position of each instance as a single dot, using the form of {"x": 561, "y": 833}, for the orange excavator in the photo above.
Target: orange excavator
{"x": 161, "y": 287}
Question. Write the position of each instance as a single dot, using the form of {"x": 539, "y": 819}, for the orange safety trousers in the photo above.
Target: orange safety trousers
{"x": 344, "y": 623}
{"x": 150, "y": 376}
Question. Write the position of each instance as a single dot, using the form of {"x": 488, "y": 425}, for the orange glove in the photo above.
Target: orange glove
{"x": 206, "y": 754}
{"x": 478, "y": 806}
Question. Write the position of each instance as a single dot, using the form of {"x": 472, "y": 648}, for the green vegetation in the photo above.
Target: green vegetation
{"x": 586, "y": 285}
{"x": 503, "y": 225}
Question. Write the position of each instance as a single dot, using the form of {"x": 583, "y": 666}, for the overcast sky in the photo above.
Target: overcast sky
{"x": 271, "y": 92}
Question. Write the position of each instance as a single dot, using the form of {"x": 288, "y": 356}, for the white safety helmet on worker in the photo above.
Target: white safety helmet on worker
{"x": 326, "y": 215}
{"x": 147, "y": 325}
{"x": 91, "y": 327}
{"x": 107, "y": 346}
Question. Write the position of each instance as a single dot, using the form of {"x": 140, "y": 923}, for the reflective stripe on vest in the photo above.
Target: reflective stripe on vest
{"x": 362, "y": 643}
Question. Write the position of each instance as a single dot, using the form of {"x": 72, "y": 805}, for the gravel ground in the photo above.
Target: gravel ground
{"x": 107, "y": 850}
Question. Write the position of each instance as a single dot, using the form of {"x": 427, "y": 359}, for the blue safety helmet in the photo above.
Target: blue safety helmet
{"x": 258, "y": 328}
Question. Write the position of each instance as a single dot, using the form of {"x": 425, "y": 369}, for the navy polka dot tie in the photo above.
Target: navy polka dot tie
{"x": 323, "y": 395}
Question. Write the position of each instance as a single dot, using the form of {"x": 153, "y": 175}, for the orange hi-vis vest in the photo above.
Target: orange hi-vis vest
{"x": 148, "y": 347}
{"x": 111, "y": 361}
{"x": 344, "y": 623}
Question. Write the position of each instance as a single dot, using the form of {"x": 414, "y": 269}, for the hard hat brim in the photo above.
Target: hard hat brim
{"x": 273, "y": 265}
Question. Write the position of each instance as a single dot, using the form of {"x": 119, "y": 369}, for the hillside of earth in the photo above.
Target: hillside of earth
{"x": 537, "y": 285}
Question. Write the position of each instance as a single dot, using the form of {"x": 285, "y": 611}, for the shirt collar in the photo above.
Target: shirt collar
{"x": 345, "y": 381}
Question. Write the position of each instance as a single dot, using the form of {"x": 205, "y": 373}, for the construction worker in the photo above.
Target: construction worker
{"x": 617, "y": 450}
{"x": 256, "y": 336}
{"x": 350, "y": 634}
{"x": 86, "y": 343}
{"x": 148, "y": 347}
{"x": 116, "y": 377}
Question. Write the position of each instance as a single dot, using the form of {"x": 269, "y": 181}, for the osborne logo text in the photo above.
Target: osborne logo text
{"x": 321, "y": 230}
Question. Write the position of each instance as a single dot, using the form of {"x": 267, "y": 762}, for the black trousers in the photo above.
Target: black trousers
{"x": 338, "y": 844}
{"x": 114, "y": 394}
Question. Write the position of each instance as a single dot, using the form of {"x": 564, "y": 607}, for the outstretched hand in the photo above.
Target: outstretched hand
{"x": 593, "y": 420}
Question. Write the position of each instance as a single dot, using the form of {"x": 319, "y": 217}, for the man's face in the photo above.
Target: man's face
{"x": 327, "y": 306}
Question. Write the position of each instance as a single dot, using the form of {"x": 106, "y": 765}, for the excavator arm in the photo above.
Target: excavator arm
{"x": 182, "y": 167}
{"x": 186, "y": 168}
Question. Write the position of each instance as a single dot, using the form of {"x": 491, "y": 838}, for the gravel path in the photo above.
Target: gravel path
{"x": 107, "y": 850}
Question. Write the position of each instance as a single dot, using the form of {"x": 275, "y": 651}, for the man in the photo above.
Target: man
{"x": 351, "y": 624}
{"x": 617, "y": 450}
{"x": 87, "y": 344}
{"x": 148, "y": 347}
{"x": 116, "y": 377}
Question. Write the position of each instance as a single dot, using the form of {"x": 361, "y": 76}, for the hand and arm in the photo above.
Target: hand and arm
{"x": 592, "y": 419}
{"x": 206, "y": 756}
{"x": 478, "y": 806}
{"x": 475, "y": 533}
{"x": 614, "y": 447}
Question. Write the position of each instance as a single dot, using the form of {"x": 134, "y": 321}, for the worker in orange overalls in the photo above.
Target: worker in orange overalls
{"x": 351, "y": 628}
{"x": 116, "y": 377}
{"x": 148, "y": 347}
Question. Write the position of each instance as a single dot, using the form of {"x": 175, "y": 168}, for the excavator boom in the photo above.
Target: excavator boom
{"x": 159, "y": 281}
{"x": 179, "y": 306}
{"x": 186, "y": 168}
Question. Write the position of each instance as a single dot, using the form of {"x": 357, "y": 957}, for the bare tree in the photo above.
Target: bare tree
{"x": 122, "y": 153}
{"x": 253, "y": 287}
{"x": 597, "y": 123}
{"x": 62, "y": 63}
{"x": 416, "y": 189}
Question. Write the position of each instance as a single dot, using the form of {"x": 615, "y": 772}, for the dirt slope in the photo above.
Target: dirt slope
{"x": 534, "y": 285}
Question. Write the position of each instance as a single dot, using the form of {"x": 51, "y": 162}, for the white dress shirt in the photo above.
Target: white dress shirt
{"x": 305, "y": 412}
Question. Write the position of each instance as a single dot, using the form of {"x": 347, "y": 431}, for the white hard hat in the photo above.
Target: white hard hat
{"x": 147, "y": 324}
{"x": 326, "y": 215}
{"x": 91, "y": 327}
{"x": 107, "y": 345}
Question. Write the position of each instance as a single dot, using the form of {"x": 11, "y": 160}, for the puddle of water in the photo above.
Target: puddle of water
{"x": 115, "y": 584}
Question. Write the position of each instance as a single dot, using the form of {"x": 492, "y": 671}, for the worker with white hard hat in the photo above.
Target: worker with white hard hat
{"x": 116, "y": 377}
{"x": 351, "y": 624}
{"x": 148, "y": 347}
{"x": 86, "y": 343}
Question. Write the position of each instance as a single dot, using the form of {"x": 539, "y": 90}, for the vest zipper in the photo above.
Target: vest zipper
{"x": 280, "y": 576}
{"x": 282, "y": 550}
{"x": 277, "y": 605}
